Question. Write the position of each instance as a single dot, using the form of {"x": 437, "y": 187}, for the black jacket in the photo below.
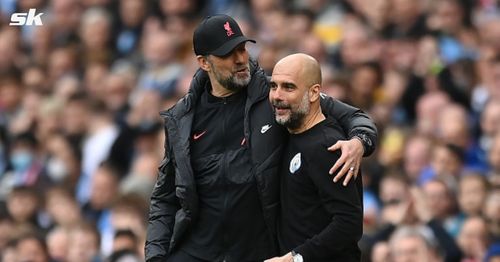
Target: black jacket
{"x": 174, "y": 201}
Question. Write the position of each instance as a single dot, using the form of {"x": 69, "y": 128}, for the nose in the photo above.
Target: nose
{"x": 239, "y": 56}
{"x": 275, "y": 94}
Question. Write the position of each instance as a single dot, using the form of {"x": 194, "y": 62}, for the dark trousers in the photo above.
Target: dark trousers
{"x": 181, "y": 256}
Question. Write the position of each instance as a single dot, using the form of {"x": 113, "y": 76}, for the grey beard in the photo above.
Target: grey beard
{"x": 294, "y": 122}
{"x": 296, "y": 117}
{"x": 233, "y": 84}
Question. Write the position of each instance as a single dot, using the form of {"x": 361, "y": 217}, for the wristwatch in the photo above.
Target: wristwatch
{"x": 365, "y": 141}
{"x": 297, "y": 257}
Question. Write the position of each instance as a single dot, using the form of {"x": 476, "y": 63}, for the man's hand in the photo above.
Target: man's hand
{"x": 286, "y": 258}
{"x": 352, "y": 153}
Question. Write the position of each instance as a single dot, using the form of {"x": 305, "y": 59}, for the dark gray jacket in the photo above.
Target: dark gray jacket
{"x": 174, "y": 201}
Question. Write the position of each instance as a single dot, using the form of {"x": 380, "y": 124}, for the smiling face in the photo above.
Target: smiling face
{"x": 294, "y": 87}
{"x": 232, "y": 72}
{"x": 288, "y": 95}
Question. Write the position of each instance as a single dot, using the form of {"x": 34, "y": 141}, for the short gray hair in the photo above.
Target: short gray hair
{"x": 419, "y": 231}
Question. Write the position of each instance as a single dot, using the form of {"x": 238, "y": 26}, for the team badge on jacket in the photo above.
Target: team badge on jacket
{"x": 295, "y": 163}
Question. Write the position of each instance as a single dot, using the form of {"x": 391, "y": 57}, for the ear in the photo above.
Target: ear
{"x": 314, "y": 92}
{"x": 203, "y": 63}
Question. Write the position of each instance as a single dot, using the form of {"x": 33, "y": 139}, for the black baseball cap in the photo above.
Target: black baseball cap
{"x": 217, "y": 35}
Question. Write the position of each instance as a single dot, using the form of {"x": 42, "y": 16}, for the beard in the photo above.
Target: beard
{"x": 233, "y": 82}
{"x": 296, "y": 116}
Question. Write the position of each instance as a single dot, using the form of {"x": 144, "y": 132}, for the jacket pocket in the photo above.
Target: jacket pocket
{"x": 182, "y": 222}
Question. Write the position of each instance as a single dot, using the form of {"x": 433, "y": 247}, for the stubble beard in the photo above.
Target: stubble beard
{"x": 233, "y": 82}
{"x": 296, "y": 117}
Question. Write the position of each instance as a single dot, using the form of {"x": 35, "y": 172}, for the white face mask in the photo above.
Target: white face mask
{"x": 56, "y": 169}
{"x": 485, "y": 142}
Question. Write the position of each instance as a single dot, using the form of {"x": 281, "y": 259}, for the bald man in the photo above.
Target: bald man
{"x": 320, "y": 221}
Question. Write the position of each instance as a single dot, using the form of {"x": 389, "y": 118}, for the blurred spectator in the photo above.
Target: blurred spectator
{"x": 427, "y": 112}
{"x": 33, "y": 77}
{"x": 132, "y": 14}
{"x": 57, "y": 244}
{"x": 86, "y": 88}
{"x": 391, "y": 147}
{"x": 95, "y": 33}
{"x": 124, "y": 256}
{"x": 61, "y": 208}
{"x": 11, "y": 90}
{"x": 366, "y": 79}
{"x": 473, "y": 238}
{"x": 453, "y": 126}
{"x": 493, "y": 253}
{"x": 102, "y": 132}
{"x": 10, "y": 53}
{"x": 6, "y": 229}
{"x": 65, "y": 87}
{"x": 454, "y": 129}
{"x": 414, "y": 244}
{"x": 27, "y": 168}
{"x": 40, "y": 49}
{"x": 491, "y": 213}
{"x": 65, "y": 19}
{"x": 95, "y": 73}
{"x": 84, "y": 242}
{"x": 104, "y": 188}
{"x": 142, "y": 177}
{"x": 48, "y": 118}
{"x": 393, "y": 192}
{"x": 446, "y": 164}
{"x": 443, "y": 204}
{"x": 161, "y": 71}
{"x": 490, "y": 123}
{"x": 472, "y": 191}
{"x": 25, "y": 118}
{"x": 9, "y": 253}
{"x": 23, "y": 205}
{"x": 124, "y": 240}
{"x": 116, "y": 91}
{"x": 129, "y": 213}
{"x": 417, "y": 156}
{"x": 75, "y": 118}
{"x": 62, "y": 61}
{"x": 138, "y": 131}
{"x": 381, "y": 252}
{"x": 334, "y": 85}
{"x": 31, "y": 248}
{"x": 414, "y": 212}
{"x": 494, "y": 160}
{"x": 62, "y": 163}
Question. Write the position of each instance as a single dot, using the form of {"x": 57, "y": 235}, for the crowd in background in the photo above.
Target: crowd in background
{"x": 81, "y": 137}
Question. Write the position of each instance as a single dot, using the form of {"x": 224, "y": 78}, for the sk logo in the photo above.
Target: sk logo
{"x": 19, "y": 19}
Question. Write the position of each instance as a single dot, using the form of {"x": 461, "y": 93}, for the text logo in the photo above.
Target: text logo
{"x": 30, "y": 18}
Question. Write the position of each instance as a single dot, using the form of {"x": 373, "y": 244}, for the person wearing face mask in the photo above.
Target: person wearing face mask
{"x": 25, "y": 166}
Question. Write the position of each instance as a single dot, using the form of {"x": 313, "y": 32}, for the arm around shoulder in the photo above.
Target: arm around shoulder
{"x": 354, "y": 122}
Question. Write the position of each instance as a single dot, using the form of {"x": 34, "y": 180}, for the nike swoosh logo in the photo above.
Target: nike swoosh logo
{"x": 265, "y": 128}
{"x": 197, "y": 136}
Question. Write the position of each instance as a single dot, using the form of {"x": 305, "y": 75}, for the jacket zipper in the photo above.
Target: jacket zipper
{"x": 225, "y": 236}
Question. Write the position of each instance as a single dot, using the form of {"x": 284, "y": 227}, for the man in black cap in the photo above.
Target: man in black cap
{"x": 217, "y": 192}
